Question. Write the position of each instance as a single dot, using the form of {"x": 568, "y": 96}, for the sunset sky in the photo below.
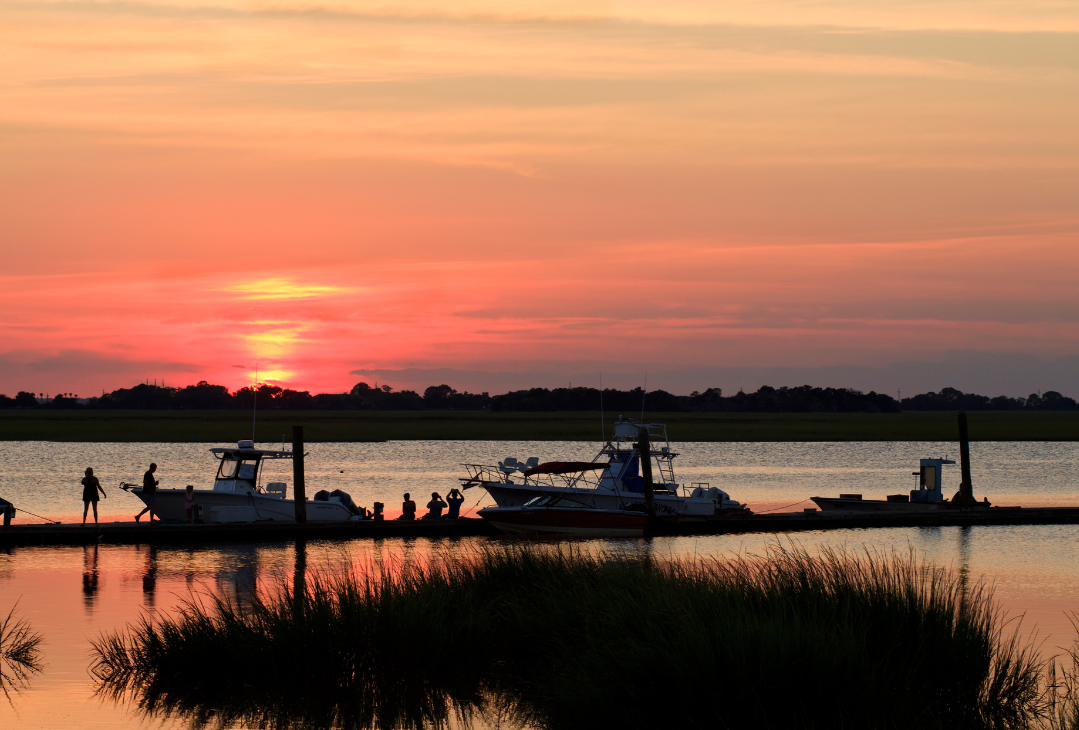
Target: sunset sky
{"x": 881, "y": 194}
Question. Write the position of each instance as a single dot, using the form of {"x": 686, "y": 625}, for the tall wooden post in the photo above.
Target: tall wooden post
{"x": 299, "y": 495}
{"x": 644, "y": 450}
{"x": 966, "y": 489}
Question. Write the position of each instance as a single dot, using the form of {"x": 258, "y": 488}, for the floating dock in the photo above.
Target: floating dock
{"x": 129, "y": 533}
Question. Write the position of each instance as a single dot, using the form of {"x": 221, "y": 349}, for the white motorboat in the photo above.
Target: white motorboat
{"x": 238, "y": 494}
{"x": 611, "y": 481}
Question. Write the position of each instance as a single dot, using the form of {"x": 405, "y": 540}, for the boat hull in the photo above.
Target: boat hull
{"x": 838, "y": 504}
{"x": 667, "y": 505}
{"x": 220, "y": 507}
{"x": 554, "y": 521}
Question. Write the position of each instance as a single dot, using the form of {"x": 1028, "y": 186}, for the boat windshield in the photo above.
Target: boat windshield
{"x": 552, "y": 501}
{"x": 236, "y": 468}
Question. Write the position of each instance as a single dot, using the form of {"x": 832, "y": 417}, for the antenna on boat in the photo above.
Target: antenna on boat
{"x": 602, "y": 428}
{"x": 255, "y": 407}
{"x": 644, "y": 394}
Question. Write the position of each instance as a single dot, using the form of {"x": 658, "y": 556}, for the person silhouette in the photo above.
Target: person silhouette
{"x": 408, "y": 508}
{"x": 90, "y": 488}
{"x": 434, "y": 507}
{"x": 455, "y": 500}
{"x": 189, "y": 503}
{"x": 149, "y": 493}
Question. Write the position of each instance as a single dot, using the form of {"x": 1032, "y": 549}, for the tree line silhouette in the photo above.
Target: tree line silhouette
{"x": 801, "y": 399}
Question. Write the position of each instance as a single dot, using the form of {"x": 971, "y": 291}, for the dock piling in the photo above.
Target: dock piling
{"x": 299, "y": 495}
{"x": 966, "y": 489}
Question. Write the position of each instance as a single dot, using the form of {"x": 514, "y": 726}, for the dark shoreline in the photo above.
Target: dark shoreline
{"x": 376, "y": 426}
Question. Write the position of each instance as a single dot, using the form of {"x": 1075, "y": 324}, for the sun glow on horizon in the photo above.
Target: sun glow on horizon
{"x": 284, "y": 288}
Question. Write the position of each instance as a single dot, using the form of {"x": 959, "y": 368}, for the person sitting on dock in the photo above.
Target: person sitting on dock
{"x": 408, "y": 508}
{"x": 90, "y": 487}
{"x": 455, "y": 500}
{"x": 149, "y": 493}
{"x": 434, "y": 507}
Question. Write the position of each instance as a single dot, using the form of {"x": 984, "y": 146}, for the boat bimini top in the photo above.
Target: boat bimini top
{"x": 240, "y": 465}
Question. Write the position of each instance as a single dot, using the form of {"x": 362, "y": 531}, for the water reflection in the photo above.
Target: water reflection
{"x": 20, "y": 654}
{"x": 299, "y": 572}
{"x": 963, "y": 555}
{"x": 415, "y": 707}
{"x": 149, "y": 577}
{"x": 90, "y": 576}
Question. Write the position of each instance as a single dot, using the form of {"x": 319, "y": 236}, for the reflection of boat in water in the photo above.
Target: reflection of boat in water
{"x": 612, "y": 481}
{"x": 238, "y": 494}
{"x": 928, "y": 495}
{"x": 558, "y": 515}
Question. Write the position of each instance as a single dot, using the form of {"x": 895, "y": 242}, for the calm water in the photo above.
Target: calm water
{"x": 43, "y": 477}
{"x": 71, "y": 595}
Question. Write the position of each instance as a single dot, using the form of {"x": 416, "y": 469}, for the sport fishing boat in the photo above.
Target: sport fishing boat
{"x": 238, "y": 494}
{"x": 612, "y": 481}
{"x": 557, "y": 515}
{"x": 927, "y": 495}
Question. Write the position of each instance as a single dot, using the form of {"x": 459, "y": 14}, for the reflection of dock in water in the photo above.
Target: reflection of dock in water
{"x": 131, "y": 533}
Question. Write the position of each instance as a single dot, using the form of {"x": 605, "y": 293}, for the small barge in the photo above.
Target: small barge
{"x": 927, "y": 495}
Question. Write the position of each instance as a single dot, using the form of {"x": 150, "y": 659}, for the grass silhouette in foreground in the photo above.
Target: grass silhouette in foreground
{"x": 20, "y": 653}
{"x": 557, "y": 638}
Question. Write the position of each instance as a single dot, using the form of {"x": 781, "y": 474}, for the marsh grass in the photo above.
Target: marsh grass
{"x": 20, "y": 653}
{"x": 1063, "y": 687}
{"x": 557, "y": 638}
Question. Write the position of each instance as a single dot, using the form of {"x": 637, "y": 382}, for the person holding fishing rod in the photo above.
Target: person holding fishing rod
{"x": 90, "y": 488}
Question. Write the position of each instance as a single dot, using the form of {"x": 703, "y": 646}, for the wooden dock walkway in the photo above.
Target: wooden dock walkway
{"x": 127, "y": 533}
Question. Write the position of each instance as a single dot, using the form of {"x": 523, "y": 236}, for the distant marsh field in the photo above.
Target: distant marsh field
{"x": 355, "y": 426}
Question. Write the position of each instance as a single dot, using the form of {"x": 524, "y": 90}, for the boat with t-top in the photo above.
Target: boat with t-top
{"x": 238, "y": 494}
{"x": 612, "y": 480}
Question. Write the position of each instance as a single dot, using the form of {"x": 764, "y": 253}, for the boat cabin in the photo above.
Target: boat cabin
{"x": 240, "y": 467}
{"x": 624, "y": 474}
{"x": 930, "y": 481}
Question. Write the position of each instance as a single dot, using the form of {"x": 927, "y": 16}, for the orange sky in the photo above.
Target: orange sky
{"x": 338, "y": 191}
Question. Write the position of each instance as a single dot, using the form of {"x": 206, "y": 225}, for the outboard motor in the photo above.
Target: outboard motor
{"x": 346, "y": 500}
{"x": 322, "y": 496}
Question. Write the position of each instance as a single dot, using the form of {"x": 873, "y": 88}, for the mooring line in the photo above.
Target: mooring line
{"x": 50, "y": 521}
{"x": 783, "y": 507}
{"x": 473, "y": 506}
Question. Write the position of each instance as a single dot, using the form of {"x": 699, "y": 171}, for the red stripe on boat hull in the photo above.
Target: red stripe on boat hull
{"x": 556, "y": 521}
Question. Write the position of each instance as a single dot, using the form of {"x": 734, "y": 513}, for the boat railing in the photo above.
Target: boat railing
{"x": 479, "y": 473}
{"x": 483, "y": 473}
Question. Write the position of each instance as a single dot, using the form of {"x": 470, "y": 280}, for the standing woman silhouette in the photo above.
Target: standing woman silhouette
{"x": 90, "y": 487}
